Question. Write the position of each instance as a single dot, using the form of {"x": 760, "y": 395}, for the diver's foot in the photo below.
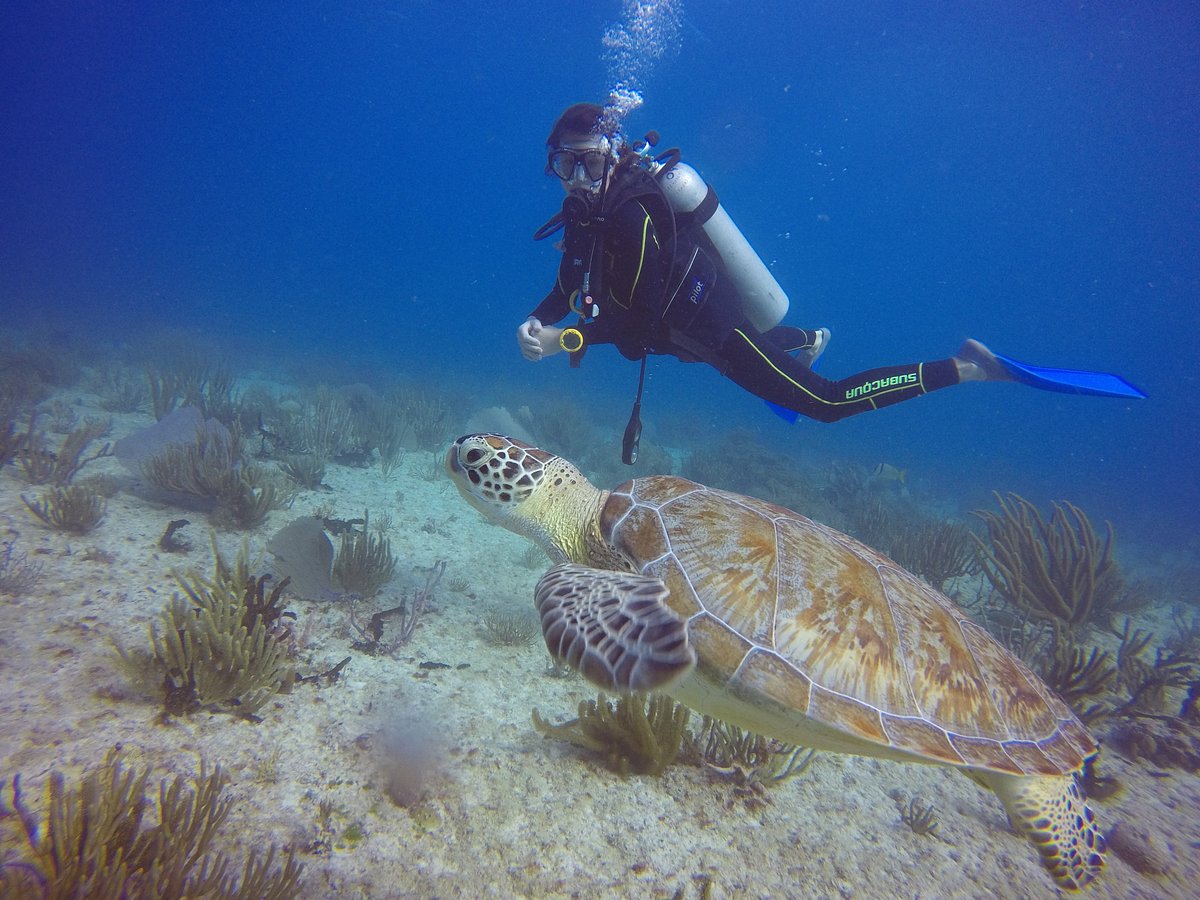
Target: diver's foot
{"x": 810, "y": 355}
{"x": 977, "y": 363}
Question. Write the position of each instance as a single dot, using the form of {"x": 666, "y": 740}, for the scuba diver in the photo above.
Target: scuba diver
{"x": 652, "y": 264}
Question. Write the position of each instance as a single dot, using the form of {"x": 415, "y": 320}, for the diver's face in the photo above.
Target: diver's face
{"x": 580, "y": 162}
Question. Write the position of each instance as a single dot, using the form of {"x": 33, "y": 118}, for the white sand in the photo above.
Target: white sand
{"x": 510, "y": 814}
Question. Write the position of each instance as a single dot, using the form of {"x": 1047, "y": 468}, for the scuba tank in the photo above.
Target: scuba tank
{"x": 763, "y": 300}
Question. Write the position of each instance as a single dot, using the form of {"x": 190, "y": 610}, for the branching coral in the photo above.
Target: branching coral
{"x": 220, "y": 643}
{"x": 920, "y": 818}
{"x": 189, "y": 382}
{"x": 1057, "y": 568}
{"x": 936, "y": 550}
{"x": 121, "y": 390}
{"x": 306, "y": 469}
{"x": 506, "y": 629}
{"x": 406, "y": 616}
{"x": 76, "y": 508}
{"x": 1146, "y": 684}
{"x": 11, "y": 441}
{"x": 41, "y": 465}
{"x": 746, "y": 757}
{"x": 93, "y": 843}
{"x": 425, "y": 415}
{"x": 17, "y": 573}
{"x": 210, "y": 466}
{"x": 877, "y": 522}
{"x": 1077, "y": 674}
{"x": 327, "y": 429}
{"x": 364, "y": 562}
{"x": 633, "y": 735}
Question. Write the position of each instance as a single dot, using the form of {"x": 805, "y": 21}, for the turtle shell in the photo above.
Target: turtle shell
{"x": 786, "y": 613}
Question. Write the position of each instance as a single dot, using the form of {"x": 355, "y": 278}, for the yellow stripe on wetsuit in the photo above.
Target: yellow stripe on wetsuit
{"x": 903, "y": 387}
{"x": 647, "y": 224}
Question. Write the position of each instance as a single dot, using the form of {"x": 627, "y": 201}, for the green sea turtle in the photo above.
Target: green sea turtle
{"x": 751, "y": 613}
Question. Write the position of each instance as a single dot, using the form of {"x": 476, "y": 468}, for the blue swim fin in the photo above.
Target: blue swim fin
{"x": 788, "y": 415}
{"x": 1069, "y": 381}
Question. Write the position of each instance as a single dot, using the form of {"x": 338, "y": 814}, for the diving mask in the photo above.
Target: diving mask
{"x": 565, "y": 162}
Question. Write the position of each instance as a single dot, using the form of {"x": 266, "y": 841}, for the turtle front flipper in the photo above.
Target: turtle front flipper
{"x": 614, "y": 627}
{"x": 1051, "y": 812}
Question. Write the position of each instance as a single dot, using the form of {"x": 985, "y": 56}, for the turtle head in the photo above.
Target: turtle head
{"x": 527, "y": 490}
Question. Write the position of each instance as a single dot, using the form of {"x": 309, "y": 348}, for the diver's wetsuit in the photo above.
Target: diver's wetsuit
{"x": 659, "y": 295}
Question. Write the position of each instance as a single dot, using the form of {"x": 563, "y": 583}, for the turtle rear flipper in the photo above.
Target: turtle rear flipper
{"x": 614, "y": 627}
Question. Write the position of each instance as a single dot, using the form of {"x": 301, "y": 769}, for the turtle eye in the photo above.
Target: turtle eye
{"x": 473, "y": 457}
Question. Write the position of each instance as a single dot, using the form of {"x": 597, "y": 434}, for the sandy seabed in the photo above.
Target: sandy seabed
{"x": 508, "y": 813}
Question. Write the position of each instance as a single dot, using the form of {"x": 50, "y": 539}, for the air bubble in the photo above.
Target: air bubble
{"x": 648, "y": 32}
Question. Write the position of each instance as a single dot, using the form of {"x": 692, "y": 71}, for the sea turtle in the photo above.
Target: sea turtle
{"x": 754, "y": 614}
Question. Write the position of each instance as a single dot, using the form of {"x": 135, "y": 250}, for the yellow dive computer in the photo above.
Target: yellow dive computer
{"x": 571, "y": 340}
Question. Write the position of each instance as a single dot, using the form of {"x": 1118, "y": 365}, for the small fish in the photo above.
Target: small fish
{"x": 888, "y": 472}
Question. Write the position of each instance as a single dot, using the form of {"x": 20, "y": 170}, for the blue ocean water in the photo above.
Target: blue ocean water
{"x": 360, "y": 182}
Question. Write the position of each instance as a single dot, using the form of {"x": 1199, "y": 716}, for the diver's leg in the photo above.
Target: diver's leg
{"x": 759, "y": 366}
{"x": 977, "y": 363}
{"x": 805, "y": 344}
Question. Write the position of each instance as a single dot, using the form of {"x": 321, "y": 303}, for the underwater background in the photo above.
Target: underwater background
{"x": 359, "y": 183}
{"x": 320, "y": 196}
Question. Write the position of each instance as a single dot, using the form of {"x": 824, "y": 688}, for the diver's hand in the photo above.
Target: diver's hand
{"x": 527, "y": 339}
{"x": 537, "y": 340}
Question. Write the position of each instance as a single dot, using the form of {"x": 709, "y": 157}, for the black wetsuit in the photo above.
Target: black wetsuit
{"x": 658, "y": 286}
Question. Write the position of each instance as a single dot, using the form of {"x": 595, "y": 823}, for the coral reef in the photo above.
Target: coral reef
{"x": 327, "y": 427}
{"x": 304, "y": 553}
{"x": 121, "y": 390}
{"x": 11, "y": 441}
{"x": 1146, "y": 684}
{"x": 562, "y": 425}
{"x": 425, "y": 416}
{"x": 94, "y": 843}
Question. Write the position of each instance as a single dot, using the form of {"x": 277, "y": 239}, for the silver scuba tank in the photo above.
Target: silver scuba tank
{"x": 763, "y": 300}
